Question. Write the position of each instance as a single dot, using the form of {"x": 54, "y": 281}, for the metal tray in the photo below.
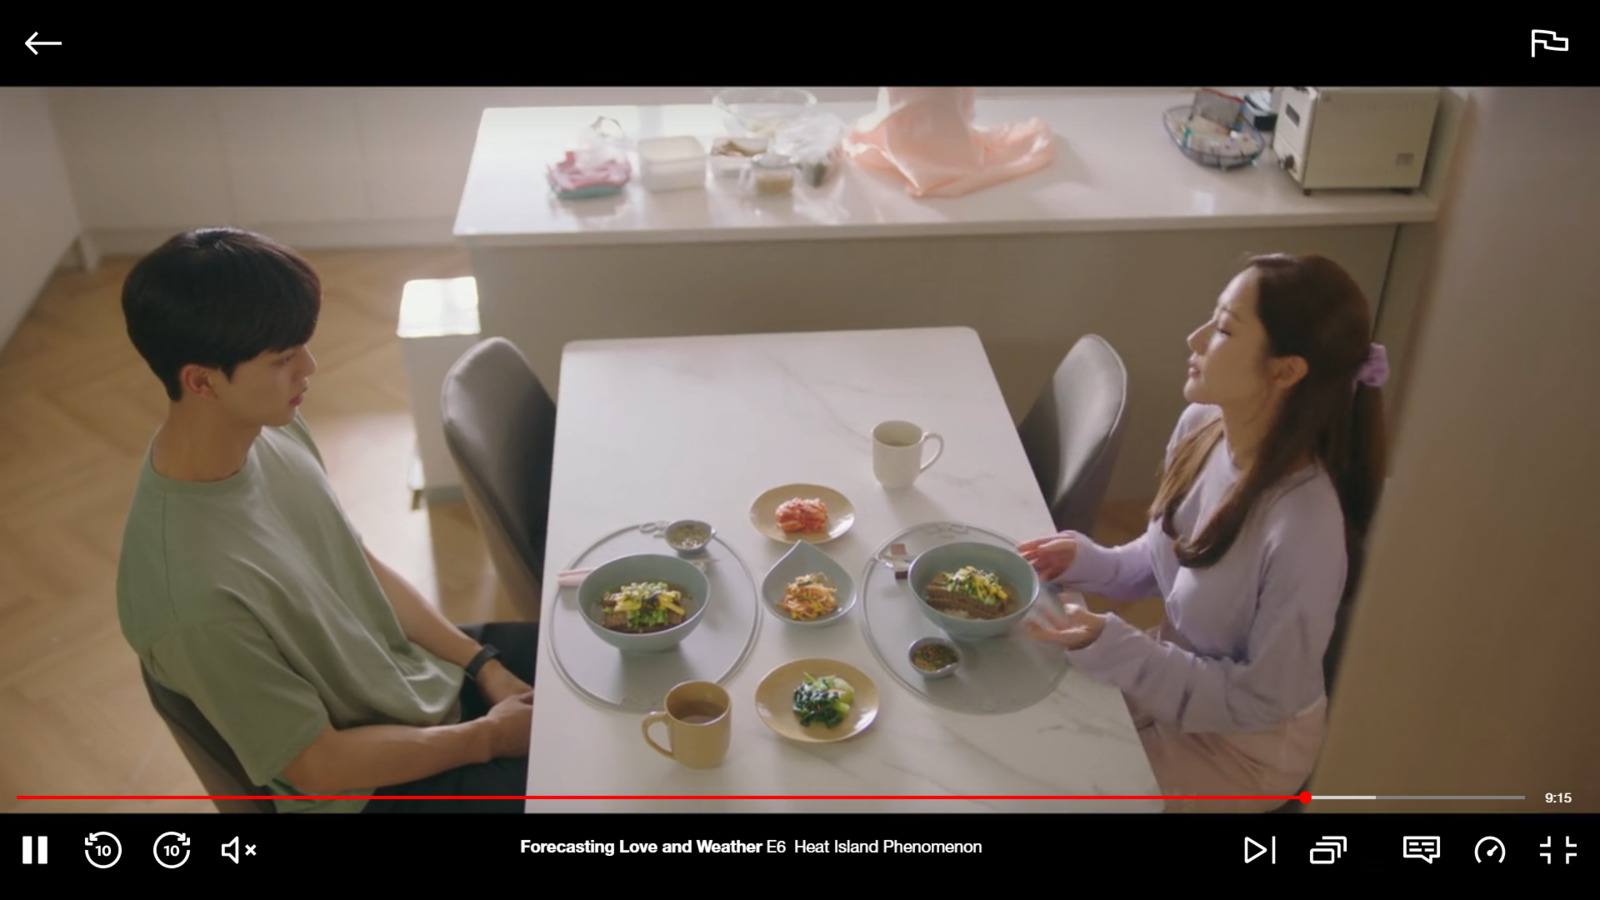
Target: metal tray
{"x": 998, "y": 675}
{"x": 638, "y": 682}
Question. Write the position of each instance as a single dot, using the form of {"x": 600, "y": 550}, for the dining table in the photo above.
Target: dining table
{"x": 712, "y": 428}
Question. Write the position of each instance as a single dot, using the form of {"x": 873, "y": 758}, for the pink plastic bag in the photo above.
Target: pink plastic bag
{"x": 927, "y": 136}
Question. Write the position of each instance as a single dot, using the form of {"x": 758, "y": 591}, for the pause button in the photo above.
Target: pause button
{"x": 35, "y": 848}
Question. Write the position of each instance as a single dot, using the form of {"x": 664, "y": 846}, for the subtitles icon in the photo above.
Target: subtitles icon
{"x": 1423, "y": 848}
{"x": 1549, "y": 40}
{"x": 1327, "y": 851}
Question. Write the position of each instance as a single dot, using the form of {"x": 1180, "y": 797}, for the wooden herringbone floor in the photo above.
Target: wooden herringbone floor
{"x": 78, "y": 408}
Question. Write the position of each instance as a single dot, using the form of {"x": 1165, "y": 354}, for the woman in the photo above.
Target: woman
{"x": 1270, "y": 483}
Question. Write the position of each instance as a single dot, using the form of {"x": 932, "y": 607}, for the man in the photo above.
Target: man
{"x": 243, "y": 586}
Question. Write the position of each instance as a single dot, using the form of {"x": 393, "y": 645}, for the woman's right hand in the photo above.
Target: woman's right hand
{"x": 1052, "y": 556}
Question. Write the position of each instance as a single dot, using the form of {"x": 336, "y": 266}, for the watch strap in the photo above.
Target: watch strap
{"x": 479, "y": 661}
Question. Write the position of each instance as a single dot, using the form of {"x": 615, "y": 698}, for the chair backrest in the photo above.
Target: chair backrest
{"x": 209, "y": 755}
{"x": 500, "y": 426}
{"x": 1341, "y": 621}
{"x": 1073, "y": 433}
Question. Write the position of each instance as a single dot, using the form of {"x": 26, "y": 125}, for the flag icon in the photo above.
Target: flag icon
{"x": 1548, "y": 40}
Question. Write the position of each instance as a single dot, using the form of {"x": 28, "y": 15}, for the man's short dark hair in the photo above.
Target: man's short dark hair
{"x": 218, "y": 297}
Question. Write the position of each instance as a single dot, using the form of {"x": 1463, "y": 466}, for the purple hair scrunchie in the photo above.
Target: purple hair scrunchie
{"x": 1374, "y": 370}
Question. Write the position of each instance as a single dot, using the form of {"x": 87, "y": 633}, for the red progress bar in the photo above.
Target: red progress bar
{"x": 1303, "y": 798}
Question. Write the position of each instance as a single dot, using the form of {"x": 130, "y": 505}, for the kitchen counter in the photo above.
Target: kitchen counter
{"x": 1116, "y": 170}
{"x": 1123, "y": 237}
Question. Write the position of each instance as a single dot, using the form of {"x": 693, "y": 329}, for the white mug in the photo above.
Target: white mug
{"x": 897, "y": 450}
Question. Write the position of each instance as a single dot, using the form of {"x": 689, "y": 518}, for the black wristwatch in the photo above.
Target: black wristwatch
{"x": 482, "y": 659}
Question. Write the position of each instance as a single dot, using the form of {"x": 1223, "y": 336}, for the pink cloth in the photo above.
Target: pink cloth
{"x": 927, "y": 136}
{"x": 1275, "y": 762}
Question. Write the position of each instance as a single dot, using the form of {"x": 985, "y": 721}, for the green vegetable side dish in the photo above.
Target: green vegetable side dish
{"x": 826, "y": 700}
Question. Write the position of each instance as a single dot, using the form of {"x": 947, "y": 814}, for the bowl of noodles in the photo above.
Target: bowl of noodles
{"x": 972, "y": 590}
{"x": 645, "y": 603}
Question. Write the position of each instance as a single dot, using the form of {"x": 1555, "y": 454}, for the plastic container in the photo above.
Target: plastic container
{"x": 730, "y": 157}
{"x": 769, "y": 175}
{"x": 671, "y": 163}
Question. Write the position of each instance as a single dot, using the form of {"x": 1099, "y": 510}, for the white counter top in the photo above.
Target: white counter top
{"x": 1115, "y": 170}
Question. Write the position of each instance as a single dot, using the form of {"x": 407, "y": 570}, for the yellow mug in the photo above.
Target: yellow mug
{"x": 698, "y": 717}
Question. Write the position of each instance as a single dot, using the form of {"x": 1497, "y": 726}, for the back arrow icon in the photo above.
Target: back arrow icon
{"x": 33, "y": 43}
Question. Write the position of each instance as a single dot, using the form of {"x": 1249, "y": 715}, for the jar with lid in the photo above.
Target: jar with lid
{"x": 770, "y": 174}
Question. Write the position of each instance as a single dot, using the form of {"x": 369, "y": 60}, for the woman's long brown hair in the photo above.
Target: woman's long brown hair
{"x": 1313, "y": 309}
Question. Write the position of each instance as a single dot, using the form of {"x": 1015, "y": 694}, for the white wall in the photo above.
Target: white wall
{"x": 321, "y": 167}
{"x": 38, "y": 222}
{"x": 1470, "y": 666}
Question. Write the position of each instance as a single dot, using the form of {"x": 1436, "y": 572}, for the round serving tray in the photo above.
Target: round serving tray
{"x": 638, "y": 682}
{"x": 999, "y": 675}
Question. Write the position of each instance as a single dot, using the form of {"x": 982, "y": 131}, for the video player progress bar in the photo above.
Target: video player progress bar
{"x": 1410, "y": 797}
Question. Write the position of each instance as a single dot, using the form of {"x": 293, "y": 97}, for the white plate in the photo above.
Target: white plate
{"x": 764, "y": 512}
{"x": 775, "y": 701}
{"x": 805, "y": 559}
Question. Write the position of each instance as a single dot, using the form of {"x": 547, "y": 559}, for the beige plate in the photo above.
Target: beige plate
{"x": 775, "y": 701}
{"x": 764, "y": 512}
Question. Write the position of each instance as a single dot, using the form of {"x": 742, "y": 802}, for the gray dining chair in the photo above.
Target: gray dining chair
{"x": 1073, "y": 433}
{"x": 213, "y": 761}
{"x": 500, "y": 426}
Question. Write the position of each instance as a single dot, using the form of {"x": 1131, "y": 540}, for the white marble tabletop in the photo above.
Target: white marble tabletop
{"x": 698, "y": 427}
{"x": 1116, "y": 170}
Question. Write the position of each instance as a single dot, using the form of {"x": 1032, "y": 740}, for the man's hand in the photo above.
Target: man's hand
{"x": 498, "y": 684}
{"x": 511, "y": 726}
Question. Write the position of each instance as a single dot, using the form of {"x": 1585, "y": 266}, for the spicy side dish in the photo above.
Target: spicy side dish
{"x": 809, "y": 597}
{"x": 826, "y": 700}
{"x": 643, "y": 607}
{"x": 934, "y": 657}
{"x": 803, "y": 516}
{"x": 971, "y": 593}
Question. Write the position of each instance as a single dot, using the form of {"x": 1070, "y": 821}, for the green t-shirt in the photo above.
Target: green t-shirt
{"x": 252, "y": 596}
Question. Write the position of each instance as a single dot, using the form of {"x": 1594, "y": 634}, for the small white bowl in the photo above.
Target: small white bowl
{"x": 689, "y": 537}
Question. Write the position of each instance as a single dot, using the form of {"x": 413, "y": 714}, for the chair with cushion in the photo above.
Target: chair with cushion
{"x": 1073, "y": 433}
{"x": 209, "y": 755}
{"x": 1335, "y": 652}
{"x": 500, "y": 426}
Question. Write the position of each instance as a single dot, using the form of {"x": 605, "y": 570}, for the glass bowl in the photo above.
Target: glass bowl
{"x": 763, "y": 111}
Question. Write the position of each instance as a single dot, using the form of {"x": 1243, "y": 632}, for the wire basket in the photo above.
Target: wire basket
{"x": 1244, "y": 152}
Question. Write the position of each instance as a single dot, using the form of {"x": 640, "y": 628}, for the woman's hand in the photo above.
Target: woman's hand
{"x": 1074, "y": 628}
{"x": 1052, "y": 556}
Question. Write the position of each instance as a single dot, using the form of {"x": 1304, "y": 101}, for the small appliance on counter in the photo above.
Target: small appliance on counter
{"x": 1355, "y": 138}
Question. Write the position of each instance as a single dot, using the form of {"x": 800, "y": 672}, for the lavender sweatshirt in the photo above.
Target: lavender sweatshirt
{"x": 1243, "y": 643}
